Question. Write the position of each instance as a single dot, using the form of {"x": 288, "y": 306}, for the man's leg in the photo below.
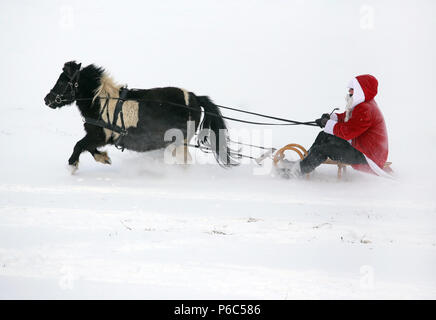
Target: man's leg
{"x": 327, "y": 145}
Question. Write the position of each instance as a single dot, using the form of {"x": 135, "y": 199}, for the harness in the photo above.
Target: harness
{"x": 118, "y": 112}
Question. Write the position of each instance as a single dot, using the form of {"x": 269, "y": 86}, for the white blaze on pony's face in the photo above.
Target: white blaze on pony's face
{"x": 108, "y": 88}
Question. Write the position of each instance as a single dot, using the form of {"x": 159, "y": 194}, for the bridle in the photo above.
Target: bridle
{"x": 73, "y": 85}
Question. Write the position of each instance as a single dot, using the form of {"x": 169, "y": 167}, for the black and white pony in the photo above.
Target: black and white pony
{"x": 146, "y": 114}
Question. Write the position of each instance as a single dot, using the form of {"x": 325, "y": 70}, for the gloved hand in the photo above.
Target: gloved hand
{"x": 323, "y": 120}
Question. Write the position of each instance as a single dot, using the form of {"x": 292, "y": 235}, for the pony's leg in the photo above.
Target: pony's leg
{"x": 87, "y": 143}
{"x": 101, "y": 156}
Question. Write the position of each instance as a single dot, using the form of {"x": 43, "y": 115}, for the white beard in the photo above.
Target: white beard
{"x": 348, "y": 107}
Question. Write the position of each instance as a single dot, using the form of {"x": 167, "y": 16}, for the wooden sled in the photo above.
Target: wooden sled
{"x": 302, "y": 152}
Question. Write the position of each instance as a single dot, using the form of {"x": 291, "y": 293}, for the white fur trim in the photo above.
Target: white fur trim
{"x": 334, "y": 117}
{"x": 377, "y": 170}
{"x": 358, "y": 94}
{"x": 329, "y": 126}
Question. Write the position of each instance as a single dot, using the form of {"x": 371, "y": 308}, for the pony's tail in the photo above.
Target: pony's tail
{"x": 214, "y": 121}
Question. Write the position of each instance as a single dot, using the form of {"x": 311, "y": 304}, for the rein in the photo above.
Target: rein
{"x": 289, "y": 122}
{"x": 73, "y": 84}
{"x": 122, "y": 130}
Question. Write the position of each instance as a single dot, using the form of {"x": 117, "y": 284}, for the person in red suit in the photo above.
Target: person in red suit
{"x": 357, "y": 136}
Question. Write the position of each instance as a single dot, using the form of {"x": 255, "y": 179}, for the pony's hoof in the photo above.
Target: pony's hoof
{"x": 102, "y": 157}
{"x": 74, "y": 167}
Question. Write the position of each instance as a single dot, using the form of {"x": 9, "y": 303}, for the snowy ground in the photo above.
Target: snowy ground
{"x": 143, "y": 229}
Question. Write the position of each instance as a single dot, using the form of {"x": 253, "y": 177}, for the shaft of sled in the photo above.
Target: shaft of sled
{"x": 209, "y": 150}
{"x": 253, "y": 146}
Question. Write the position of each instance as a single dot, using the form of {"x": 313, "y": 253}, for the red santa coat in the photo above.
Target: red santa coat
{"x": 366, "y": 127}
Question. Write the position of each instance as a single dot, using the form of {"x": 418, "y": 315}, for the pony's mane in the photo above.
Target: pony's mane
{"x": 107, "y": 87}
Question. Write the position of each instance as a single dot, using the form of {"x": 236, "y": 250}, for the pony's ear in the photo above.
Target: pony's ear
{"x": 71, "y": 67}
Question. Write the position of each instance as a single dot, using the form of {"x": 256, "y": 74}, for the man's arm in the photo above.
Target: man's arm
{"x": 339, "y": 117}
{"x": 360, "y": 122}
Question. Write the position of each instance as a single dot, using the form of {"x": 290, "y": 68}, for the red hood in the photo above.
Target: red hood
{"x": 369, "y": 85}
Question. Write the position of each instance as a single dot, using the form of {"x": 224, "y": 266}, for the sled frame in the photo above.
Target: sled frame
{"x": 302, "y": 152}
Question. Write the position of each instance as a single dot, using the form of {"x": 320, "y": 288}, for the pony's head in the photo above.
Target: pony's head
{"x": 65, "y": 90}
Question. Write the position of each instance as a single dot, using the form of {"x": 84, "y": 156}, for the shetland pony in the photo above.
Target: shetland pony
{"x": 146, "y": 114}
